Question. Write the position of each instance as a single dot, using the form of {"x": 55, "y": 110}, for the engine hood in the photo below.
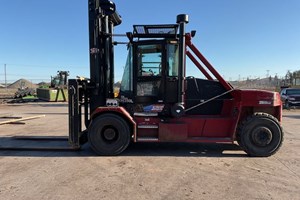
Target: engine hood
{"x": 251, "y": 97}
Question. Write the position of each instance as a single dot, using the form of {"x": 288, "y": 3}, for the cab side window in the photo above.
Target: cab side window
{"x": 172, "y": 55}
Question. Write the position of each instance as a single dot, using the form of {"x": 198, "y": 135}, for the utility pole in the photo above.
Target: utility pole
{"x": 5, "y": 76}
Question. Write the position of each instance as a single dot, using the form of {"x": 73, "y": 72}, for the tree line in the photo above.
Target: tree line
{"x": 292, "y": 78}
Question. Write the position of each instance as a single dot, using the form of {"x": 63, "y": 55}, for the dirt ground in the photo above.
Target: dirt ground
{"x": 143, "y": 171}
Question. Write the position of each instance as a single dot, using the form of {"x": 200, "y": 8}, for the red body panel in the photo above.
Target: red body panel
{"x": 258, "y": 98}
{"x": 173, "y": 132}
{"x": 260, "y": 101}
{"x": 188, "y": 128}
{"x": 219, "y": 127}
{"x": 120, "y": 110}
{"x": 216, "y": 128}
{"x": 201, "y": 128}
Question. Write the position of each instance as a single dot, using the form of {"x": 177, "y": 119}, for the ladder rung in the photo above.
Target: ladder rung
{"x": 145, "y": 114}
{"x": 147, "y": 139}
{"x": 148, "y": 126}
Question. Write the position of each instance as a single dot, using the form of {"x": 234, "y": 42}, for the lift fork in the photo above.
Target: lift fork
{"x": 40, "y": 139}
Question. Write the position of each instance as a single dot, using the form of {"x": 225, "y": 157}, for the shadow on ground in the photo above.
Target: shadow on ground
{"x": 134, "y": 149}
{"x": 291, "y": 116}
{"x": 46, "y": 113}
{"x": 40, "y": 103}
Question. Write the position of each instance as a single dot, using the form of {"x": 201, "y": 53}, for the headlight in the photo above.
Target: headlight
{"x": 292, "y": 98}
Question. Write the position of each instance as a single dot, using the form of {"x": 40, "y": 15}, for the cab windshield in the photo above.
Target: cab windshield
{"x": 293, "y": 92}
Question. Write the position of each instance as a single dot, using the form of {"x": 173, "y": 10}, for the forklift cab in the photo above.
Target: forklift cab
{"x": 152, "y": 67}
{"x": 151, "y": 72}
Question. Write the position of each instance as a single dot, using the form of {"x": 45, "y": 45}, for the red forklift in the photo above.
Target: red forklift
{"x": 157, "y": 102}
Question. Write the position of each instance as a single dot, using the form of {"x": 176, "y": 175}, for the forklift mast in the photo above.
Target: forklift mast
{"x": 102, "y": 19}
{"x": 92, "y": 93}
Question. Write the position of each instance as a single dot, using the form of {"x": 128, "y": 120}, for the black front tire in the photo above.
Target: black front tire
{"x": 261, "y": 135}
{"x": 109, "y": 134}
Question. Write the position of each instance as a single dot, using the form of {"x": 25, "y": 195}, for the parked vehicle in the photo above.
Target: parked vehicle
{"x": 290, "y": 97}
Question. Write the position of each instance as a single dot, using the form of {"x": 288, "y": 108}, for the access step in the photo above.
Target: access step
{"x": 145, "y": 114}
{"x": 148, "y": 126}
{"x": 147, "y": 139}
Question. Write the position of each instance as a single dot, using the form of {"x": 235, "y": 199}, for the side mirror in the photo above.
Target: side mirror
{"x": 193, "y": 33}
{"x": 129, "y": 36}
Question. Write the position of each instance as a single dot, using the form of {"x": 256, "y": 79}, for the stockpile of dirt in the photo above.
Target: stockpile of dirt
{"x": 43, "y": 85}
{"x": 22, "y": 83}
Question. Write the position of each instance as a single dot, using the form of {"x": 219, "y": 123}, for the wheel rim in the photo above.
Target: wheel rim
{"x": 109, "y": 134}
{"x": 262, "y": 136}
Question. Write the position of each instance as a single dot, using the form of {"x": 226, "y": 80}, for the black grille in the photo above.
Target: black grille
{"x": 297, "y": 98}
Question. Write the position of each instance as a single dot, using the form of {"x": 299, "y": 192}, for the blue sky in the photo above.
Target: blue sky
{"x": 240, "y": 38}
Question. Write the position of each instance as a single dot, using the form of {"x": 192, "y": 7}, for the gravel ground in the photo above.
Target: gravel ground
{"x": 6, "y": 95}
{"x": 143, "y": 171}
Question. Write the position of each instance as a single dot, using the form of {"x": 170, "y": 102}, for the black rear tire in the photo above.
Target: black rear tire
{"x": 109, "y": 134}
{"x": 261, "y": 135}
